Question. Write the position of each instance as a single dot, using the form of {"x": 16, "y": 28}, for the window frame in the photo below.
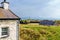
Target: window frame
{"x": 4, "y": 36}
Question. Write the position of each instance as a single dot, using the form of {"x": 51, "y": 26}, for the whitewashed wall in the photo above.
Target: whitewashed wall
{"x": 13, "y": 29}
{"x": 5, "y": 5}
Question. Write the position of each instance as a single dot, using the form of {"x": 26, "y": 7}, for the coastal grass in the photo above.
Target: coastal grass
{"x": 39, "y": 32}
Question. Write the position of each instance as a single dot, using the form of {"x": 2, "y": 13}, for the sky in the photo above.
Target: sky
{"x": 40, "y": 9}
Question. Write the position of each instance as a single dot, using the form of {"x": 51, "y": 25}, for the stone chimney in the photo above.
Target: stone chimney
{"x": 5, "y": 4}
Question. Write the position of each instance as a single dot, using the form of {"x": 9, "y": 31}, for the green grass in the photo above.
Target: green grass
{"x": 39, "y": 32}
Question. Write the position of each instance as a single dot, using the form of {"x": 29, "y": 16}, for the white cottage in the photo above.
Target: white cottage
{"x": 9, "y": 23}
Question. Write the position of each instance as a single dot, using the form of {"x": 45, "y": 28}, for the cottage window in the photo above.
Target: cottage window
{"x": 4, "y": 32}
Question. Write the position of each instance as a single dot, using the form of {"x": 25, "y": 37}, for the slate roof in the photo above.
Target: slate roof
{"x": 7, "y": 15}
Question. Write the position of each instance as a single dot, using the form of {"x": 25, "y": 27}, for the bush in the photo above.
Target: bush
{"x": 34, "y": 21}
{"x": 57, "y": 22}
{"x": 24, "y": 21}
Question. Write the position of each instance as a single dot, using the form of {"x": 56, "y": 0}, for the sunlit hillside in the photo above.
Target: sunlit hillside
{"x": 39, "y": 32}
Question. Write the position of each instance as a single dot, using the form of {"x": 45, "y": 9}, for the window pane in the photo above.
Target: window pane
{"x": 5, "y": 31}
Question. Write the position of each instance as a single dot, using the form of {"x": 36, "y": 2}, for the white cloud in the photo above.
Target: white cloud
{"x": 41, "y": 8}
{"x": 53, "y": 9}
{"x": 54, "y": 2}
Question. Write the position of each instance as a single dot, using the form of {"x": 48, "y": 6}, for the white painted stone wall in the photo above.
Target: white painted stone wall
{"x": 13, "y": 29}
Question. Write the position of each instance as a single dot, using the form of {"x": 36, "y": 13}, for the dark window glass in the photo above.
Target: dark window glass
{"x": 5, "y": 31}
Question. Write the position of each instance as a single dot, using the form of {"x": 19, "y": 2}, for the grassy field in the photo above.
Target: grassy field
{"x": 39, "y": 32}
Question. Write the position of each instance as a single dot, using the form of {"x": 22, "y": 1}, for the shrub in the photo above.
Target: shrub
{"x": 24, "y": 21}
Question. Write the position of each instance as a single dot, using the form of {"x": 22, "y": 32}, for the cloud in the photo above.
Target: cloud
{"x": 52, "y": 9}
{"x": 36, "y": 8}
{"x": 54, "y": 2}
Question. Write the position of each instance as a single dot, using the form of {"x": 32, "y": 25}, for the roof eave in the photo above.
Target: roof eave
{"x": 10, "y": 18}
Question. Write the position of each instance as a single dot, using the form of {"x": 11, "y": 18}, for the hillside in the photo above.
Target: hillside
{"x": 39, "y": 32}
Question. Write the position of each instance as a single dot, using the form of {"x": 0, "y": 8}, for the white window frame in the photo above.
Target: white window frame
{"x": 3, "y": 36}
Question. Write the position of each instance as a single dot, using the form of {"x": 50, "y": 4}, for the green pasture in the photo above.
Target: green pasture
{"x": 39, "y": 32}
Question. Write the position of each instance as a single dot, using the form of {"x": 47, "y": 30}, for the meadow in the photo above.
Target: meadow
{"x": 39, "y": 32}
